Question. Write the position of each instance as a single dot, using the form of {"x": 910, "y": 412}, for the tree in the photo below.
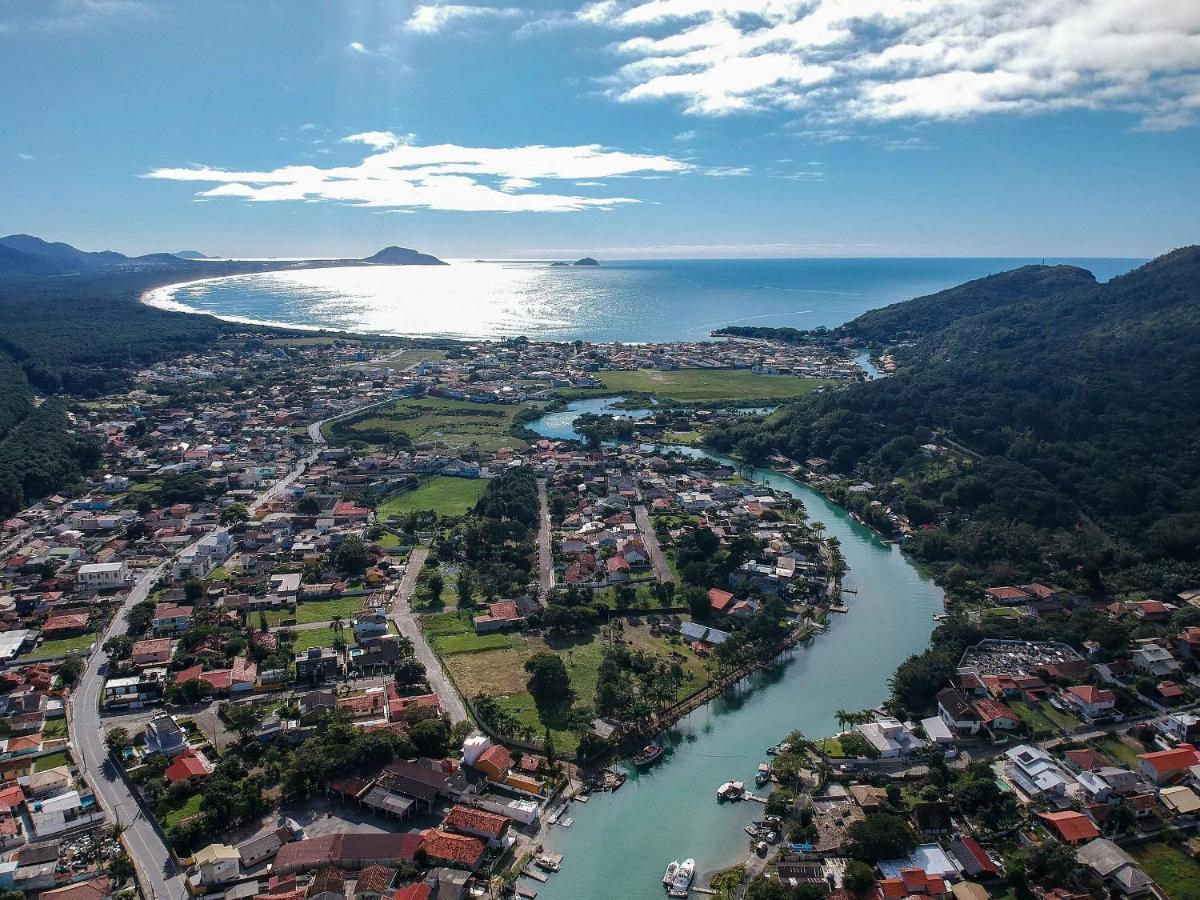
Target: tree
{"x": 880, "y": 836}
{"x": 409, "y": 672}
{"x": 193, "y": 590}
{"x": 242, "y": 718}
{"x": 430, "y": 737}
{"x": 70, "y": 670}
{"x": 697, "y": 602}
{"x": 234, "y": 514}
{"x": 859, "y": 878}
{"x": 351, "y": 557}
{"x": 308, "y": 506}
{"x": 117, "y": 740}
{"x": 434, "y": 585}
{"x": 549, "y": 682}
{"x": 119, "y": 647}
{"x": 464, "y": 586}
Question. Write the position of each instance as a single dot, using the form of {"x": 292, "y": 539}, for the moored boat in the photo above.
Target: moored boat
{"x": 683, "y": 878}
{"x": 648, "y": 754}
{"x": 669, "y": 875}
{"x": 731, "y": 790}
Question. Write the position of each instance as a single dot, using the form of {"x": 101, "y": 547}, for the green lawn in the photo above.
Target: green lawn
{"x": 444, "y": 495}
{"x": 190, "y": 807}
{"x": 51, "y": 761}
{"x": 452, "y": 634}
{"x": 62, "y": 646}
{"x": 1176, "y": 872}
{"x": 405, "y": 358}
{"x": 458, "y": 423}
{"x": 1120, "y": 751}
{"x": 317, "y": 611}
{"x": 697, "y": 385}
{"x": 1058, "y": 717}
{"x": 831, "y": 747}
{"x": 319, "y": 637}
{"x": 55, "y": 728}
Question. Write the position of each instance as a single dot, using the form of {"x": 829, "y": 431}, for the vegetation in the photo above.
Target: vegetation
{"x": 699, "y": 385}
{"x": 1176, "y": 873}
{"x": 458, "y": 423}
{"x": 443, "y": 495}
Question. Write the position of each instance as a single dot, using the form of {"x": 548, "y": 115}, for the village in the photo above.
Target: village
{"x": 340, "y": 624}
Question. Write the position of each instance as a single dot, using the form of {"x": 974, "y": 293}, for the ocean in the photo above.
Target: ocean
{"x": 634, "y": 301}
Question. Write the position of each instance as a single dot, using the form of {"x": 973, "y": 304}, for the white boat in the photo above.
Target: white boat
{"x": 669, "y": 875}
{"x": 683, "y": 878}
{"x": 731, "y": 790}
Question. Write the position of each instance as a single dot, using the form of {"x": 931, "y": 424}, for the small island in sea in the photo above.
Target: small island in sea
{"x": 403, "y": 256}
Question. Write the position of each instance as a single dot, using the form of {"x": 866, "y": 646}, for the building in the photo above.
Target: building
{"x": 456, "y": 850}
{"x": 1164, "y": 766}
{"x": 1155, "y": 660}
{"x": 475, "y": 822}
{"x": 957, "y": 712}
{"x": 163, "y": 735}
{"x": 170, "y": 618}
{"x": 133, "y": 691}
{"x": 217, "y": 864}
{"x": 1072, "y": 828}
{"x": 1115, "y": 866}
{"x": 1091, "y": 701}
{"x": 153, "y": 652}
{"x": 65, "y": 812}
{"x": 317, "y": 664}
{"x": 1035, "y": 773}
{"x": 890, "y": 737}
{"x": 102, "y": 576}
{"x": 190, "y": 765}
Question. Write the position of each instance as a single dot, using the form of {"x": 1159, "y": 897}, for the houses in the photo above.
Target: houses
{"x": 316, "y": 665}
{"x": 153, "y": 652}
{"x": 500, "y": 615}
{"x": 1155, "y": 660}
{"x": 957, "y": 712}
{"x": 478, "y": 823}
{"x": 1072, "y": 828}
{"x": 458, "y": 850}
{"x": 64, "y": 812}
{"x": 1116, "y": 867}
{"x": 170, "y": 619}
{"x": 102, "y": 576}
{"x": 890, "y": 737}
{"x": 1090, "y": 701}
{"x": 163, "y": 735}
{"x": 217, "y": 864}
{"x": 134, "y": 691}
{"x": 1165, "y": 766}
{"x": 189, "y": 766}
{"x": 1035, "y": 773}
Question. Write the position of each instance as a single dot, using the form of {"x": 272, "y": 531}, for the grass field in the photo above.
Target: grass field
{"x": 55, "y": 728}
{"x": 405, "y": 358}
{"x": 190, "y": 807}
{"x": 452, "y": 634}
{"x": 63, "y": 646}
{"x": 51, "y": 761}
{"x": 1120, "y": 751}
{"x": 316, "y": 611}
{"x": 698, "y": 385}
{"x": 1176, "y": 872}
{"x": 446, "y": 496}
{"x": 458, "y": 423}
{"x": 319, "y": 637}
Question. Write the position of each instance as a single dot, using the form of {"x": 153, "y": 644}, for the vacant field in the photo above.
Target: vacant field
{"x": 458, "y": 423}
{"x": 412, "y": 356}
{"x": 319, "y": 637}
{"x": 698, "y": 385}
{"x": 185, "y": 810}
{"x": 444, "y": 495}
{"x": 302, "y": 342}
{"x": 452, "y": 634}
{"x": 62, "y": 646}
{"x": 1176, "y": 872}
{"x": 1119, "y": 750}
{"x": 318, "y": 611}
{"x": 55, "y": 728}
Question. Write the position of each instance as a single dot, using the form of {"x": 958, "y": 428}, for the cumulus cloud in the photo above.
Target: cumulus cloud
{"x": 430, "y": 18}
{"x": 58, "y": 15}
{"x": 918, "y": 60}
{"x": 402, "y": 175}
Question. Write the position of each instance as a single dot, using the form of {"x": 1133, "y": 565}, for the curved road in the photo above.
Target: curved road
{"x": 159, "y": 875}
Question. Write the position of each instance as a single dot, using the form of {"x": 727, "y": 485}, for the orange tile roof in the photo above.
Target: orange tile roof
{"x": 1182, "y": 757}
{"x": 452, "y": 847}
{"x": 1072, "y": 827}
{"x": 470, "y": 818}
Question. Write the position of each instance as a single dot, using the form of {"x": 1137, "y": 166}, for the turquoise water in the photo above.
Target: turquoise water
{"x": 646, "y": 300}
{"x": 620, "y": 843}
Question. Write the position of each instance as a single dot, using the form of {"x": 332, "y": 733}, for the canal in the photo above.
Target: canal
{"x": 620, "y": 843}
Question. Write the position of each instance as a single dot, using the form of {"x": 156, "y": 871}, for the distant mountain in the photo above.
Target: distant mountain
{"x": 586, "y": 261}
{"x": 191, "y": 254}
{"x": 14, "y": 262}
{"x": 560, "y": 265}
{"x": 402, "y": 256}
{"x": 83, "y": 260}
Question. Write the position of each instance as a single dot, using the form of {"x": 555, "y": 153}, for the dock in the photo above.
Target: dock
{"x": 541, "y": 877}
{"x": 527, "y": 892}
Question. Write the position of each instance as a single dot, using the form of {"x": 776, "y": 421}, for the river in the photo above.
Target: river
{"x": 620, "y": 843}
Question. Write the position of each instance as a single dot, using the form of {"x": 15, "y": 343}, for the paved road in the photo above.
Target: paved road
{"x": 650, "y": 538}
{"x": 406, "y": 621}
{"x": 160, "y": 877}
{"x": 545, "y": 554}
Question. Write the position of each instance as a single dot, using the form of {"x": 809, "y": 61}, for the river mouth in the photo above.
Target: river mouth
{"x": 620, "y": 843}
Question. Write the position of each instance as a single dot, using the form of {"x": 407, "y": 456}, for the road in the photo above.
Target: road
{"x": 159, "y": 875}
{"x": 545, "y": 554}
{"x": 658, "y": 559}
{"x": 406, "y": 621}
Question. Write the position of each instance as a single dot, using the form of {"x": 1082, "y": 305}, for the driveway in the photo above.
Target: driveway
{"x": 658, "y": 560}
{"x": 545, "y": 554}
{"x": 406, "y": 621}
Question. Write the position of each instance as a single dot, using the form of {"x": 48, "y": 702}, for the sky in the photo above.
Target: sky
{"x": 618, "y": 129}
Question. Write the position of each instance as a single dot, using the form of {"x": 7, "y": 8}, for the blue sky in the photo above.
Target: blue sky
{"x": 648, "y": 128}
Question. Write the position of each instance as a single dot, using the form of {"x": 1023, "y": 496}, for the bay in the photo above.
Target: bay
{"x": 635, "y": 301}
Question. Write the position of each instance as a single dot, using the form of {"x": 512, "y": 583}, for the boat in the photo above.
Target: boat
{"x": 669, "y": 875}
{"x": 567, "y": 823}
{"x": 649, "y": 754}
{"x": 731, "y": 790}
{"x": 763, "y": 775}
{"x": 683, "y": 878}
{"x": 779, "y": 748}
{"x": 550, "y": 862}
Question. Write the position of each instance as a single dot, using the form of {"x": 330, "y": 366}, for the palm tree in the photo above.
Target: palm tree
{"x": 842, "y": 717}
{"x": 337, "y": 623}
{"x": 405, "y": 644}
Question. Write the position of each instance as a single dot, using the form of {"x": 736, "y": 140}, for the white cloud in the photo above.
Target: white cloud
{"x": 60, "y": 15}
{"x": 431, "y": 18}
{"x": 918, "y": 60}
{"x": 728, "y": 171}
{"x": 25, "y": 157}
{"x": 401, "y": 175}
{"x": 357, "y": 47}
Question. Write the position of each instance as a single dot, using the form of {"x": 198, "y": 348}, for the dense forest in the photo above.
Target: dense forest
{"x": 1075, "y": 407}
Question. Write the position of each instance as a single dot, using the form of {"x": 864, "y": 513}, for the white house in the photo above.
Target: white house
{"x": 217, "y": 864}
{"x": 1090, "y": 700}
{"x": 64, "y": 813}
{"x": 102, "y": 576}
{"x": 1035, "y": 772}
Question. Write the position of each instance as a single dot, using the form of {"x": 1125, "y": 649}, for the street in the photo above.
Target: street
{"x": 545, "y": 553}
{"x": 662, "y": 571}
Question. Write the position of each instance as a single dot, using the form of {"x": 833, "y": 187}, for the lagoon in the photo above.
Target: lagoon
{"x": 621, "y": 842}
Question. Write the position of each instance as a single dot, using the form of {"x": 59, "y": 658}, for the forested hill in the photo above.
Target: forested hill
{"x": 1081, "y": 400}
{"x": 927, "y": 315}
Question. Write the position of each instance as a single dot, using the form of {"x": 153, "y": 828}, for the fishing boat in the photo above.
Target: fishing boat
{"x": 731, "y": 790}
{"x": 683, "y": 878}
{"x": 763, "y": 775}
{"x": 669, "y": 875}
{"x": 649, "y": 754}
{"x": 779, "y": 748}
